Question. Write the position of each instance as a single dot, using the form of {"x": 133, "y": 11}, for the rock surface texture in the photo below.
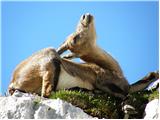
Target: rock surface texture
{"x": 152, "y": 110}
{"x": 23, "y": 106}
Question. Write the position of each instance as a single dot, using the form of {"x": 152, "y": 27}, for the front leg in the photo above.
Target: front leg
{"x": 144, "y": 82}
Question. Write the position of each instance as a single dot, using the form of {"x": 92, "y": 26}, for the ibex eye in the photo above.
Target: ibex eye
{"x": 77, "y": 37}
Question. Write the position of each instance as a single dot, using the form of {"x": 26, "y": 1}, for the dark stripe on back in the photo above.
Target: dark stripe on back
{"x": 56, "y": 64}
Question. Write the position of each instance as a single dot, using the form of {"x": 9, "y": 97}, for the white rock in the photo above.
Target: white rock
{"x": 31, "y": 106}
{"x": 13, "y": 107}
{"x": 59, "y": 109}
{"x": 152, "y": 109}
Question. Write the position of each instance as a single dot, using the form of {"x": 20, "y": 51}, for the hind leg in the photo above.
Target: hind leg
{"x": 47, "y": 84}
{"x": 50, "y": 78}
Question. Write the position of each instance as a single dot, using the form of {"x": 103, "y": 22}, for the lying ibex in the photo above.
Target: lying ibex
{"x": 82, "y": 44}
{"x": 38, "y": 73}
{"x": 45, "y": 71}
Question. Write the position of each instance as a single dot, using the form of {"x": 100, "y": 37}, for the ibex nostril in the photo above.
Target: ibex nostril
{"x": 83, "y": 17}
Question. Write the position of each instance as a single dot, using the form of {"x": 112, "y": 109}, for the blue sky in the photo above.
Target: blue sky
{"x": 127, "y": 30}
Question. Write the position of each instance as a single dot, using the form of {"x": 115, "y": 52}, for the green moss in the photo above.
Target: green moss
{"x": 101, "y": 106}
{"x": 153, "y": 95}
{"x": 104, "y": 106}
{"x": 37, "y": 100}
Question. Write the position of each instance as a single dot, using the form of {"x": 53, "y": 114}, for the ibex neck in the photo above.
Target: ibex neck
{"x": 103, "y": 59}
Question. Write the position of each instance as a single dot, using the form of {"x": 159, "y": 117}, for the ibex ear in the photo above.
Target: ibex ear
{"x": 62, "y": 48}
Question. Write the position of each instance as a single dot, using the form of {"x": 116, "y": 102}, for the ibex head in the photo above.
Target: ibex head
{"x": 85, "y": 35}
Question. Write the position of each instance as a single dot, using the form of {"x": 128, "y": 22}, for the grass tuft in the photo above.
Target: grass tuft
{"x": 102, "y": 105}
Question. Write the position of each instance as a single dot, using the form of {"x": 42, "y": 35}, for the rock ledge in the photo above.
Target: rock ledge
{"x": 25, "y": 106}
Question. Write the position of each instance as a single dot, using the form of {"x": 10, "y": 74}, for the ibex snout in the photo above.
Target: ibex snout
{"x": 86, "y": 19}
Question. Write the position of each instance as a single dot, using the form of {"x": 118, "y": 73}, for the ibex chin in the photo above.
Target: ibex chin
{"x": 45, "y": 71}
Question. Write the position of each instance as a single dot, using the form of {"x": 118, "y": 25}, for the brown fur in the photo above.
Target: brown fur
{"x": 35, "y": 73}
{"x": 82, "y": 44}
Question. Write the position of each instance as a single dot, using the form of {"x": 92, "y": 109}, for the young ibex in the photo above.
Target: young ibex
{"x": 45, "y": 71}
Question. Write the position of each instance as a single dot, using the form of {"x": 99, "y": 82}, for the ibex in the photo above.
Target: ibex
{"x": 45, "y": 71}
{"x": 82, "y": 44}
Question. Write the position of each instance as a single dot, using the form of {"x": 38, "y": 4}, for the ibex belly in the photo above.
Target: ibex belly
{"x": 68, "y": 81}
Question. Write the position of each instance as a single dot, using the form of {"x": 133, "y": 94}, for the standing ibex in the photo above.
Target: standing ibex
{"x": 45, "y": 71}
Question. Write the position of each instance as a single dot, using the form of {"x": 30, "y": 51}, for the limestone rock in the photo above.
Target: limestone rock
{"x": 152, "y": 109}
{"x": 27, "y": 106}
{"x": 51, "y": 109}
{"x": 13, "y": 107}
